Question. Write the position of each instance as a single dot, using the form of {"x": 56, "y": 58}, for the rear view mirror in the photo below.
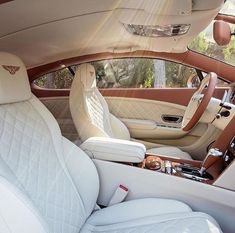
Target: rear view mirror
{"x": 221, "y": 32}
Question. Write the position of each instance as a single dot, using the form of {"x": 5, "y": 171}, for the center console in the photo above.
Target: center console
{"x": 206, "y": 171}
{"x": 176, "y": 167}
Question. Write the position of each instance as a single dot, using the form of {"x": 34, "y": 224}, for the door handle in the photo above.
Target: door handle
{"x": 172, "y": 118}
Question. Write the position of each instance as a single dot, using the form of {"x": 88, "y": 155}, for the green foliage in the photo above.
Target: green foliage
{"x": 229, "y": 51}
{"x": 199, "y": 44}
{"x": 177, "y": 75}
{"x": 124, "y": 73}
{"x": 60, "y": 79}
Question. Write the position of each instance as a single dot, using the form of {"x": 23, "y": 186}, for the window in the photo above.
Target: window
{"x": 128, "y": 73}
{"x": 60, "y": 79}
{"x": 141, "y": 73}
{"x": 125, "y": 73}
{"x": 228, "y": 8}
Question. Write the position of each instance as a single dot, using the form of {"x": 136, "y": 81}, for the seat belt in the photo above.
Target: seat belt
{"x": 119, "y": 195}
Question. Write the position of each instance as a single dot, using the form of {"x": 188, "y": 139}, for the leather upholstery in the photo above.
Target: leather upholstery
{"x": 32, "y": 148}
{"x": 150, "y": 215}
{"x": 114, "y": 149}
{"x": 91, "y": 114}
{"x": 87, "y": 105}
{"x": 48, "y": 184}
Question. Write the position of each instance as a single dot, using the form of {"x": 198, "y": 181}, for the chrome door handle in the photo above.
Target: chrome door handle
{"x": 172, "y": 118}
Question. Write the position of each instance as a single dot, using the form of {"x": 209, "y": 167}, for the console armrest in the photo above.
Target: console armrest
{"x": 114, "y": 149}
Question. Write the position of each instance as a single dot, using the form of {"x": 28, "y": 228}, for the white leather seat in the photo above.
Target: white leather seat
{"x": 48, "y": 184}
{"x": 150, "y": 216}
{"x": 91, "y": 114}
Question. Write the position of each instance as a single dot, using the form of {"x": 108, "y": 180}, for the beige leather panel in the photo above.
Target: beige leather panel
{"x": 201, "y": 197}
{"x": 149, "y": 112}
{"x": 88, "y": 27}
{"x": 143, "y": 109}
{"x": 112, "y": 149}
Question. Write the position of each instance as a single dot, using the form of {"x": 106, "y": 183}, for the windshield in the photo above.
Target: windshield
{"x": 228, "y": 8}
{"x": 205, "y": 44}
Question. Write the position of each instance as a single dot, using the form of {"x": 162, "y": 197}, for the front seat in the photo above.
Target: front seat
{"x": 49, "y": 185}
{"x": 91, "y": 114}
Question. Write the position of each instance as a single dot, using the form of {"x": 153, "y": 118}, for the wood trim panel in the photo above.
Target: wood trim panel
{"x": 175, "y": 162}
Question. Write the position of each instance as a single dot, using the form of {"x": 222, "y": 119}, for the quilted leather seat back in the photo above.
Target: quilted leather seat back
{"x": 88, "y": 108}
{"x": 33, "y": 158}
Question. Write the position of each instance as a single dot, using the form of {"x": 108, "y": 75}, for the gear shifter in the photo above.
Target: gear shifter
{"x": 212, "y": 156}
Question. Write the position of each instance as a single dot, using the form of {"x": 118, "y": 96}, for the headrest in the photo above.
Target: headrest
{"x": 14, "y": 83}
{"x": 86, "y": 74}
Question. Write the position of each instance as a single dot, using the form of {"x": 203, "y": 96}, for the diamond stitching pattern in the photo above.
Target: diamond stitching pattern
{"x": 141, "y": 109}
{"x": 27, "y": 149}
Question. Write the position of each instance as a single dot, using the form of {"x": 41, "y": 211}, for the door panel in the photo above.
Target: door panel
{"x": 142, "y": 115}
{"x": 144, "y": 120}
{"x": 142, "y": 109}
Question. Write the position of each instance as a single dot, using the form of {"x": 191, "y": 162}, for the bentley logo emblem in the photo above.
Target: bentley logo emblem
{"x": 11, "y": 69}
{"x": 91, "y": 73}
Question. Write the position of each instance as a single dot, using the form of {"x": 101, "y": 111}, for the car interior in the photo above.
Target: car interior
{"x": 117, "y": 116}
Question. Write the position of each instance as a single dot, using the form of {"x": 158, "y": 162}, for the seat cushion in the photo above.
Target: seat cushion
{"x": 150, "y": 215}
{"x": 170, "y": 151}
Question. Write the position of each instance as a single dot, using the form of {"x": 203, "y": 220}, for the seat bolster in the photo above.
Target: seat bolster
{"x": 80, "y": 165}
{"x": 119, "y": 129}
{"x": 150, "y": 215}
{"x": 17, "y": 213}
{"x": 135, "y": 209}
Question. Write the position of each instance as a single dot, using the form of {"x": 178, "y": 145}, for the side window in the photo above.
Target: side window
{"x": 127, "y": 73}
{"x": 141, "y": 73}
{"x": 60, "y": 79}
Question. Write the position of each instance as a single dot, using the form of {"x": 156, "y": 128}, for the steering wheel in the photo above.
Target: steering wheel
{"x": 199, "y": 102}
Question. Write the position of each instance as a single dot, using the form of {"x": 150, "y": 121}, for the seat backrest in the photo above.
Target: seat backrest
{"x": 89, "y": 109}
{"x": 48, "y": 183}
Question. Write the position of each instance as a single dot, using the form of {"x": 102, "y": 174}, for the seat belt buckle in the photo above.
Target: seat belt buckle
{"x": 119, "y": 195}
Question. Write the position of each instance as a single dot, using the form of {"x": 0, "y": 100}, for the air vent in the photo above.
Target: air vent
{"x": 156, "y": 30}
